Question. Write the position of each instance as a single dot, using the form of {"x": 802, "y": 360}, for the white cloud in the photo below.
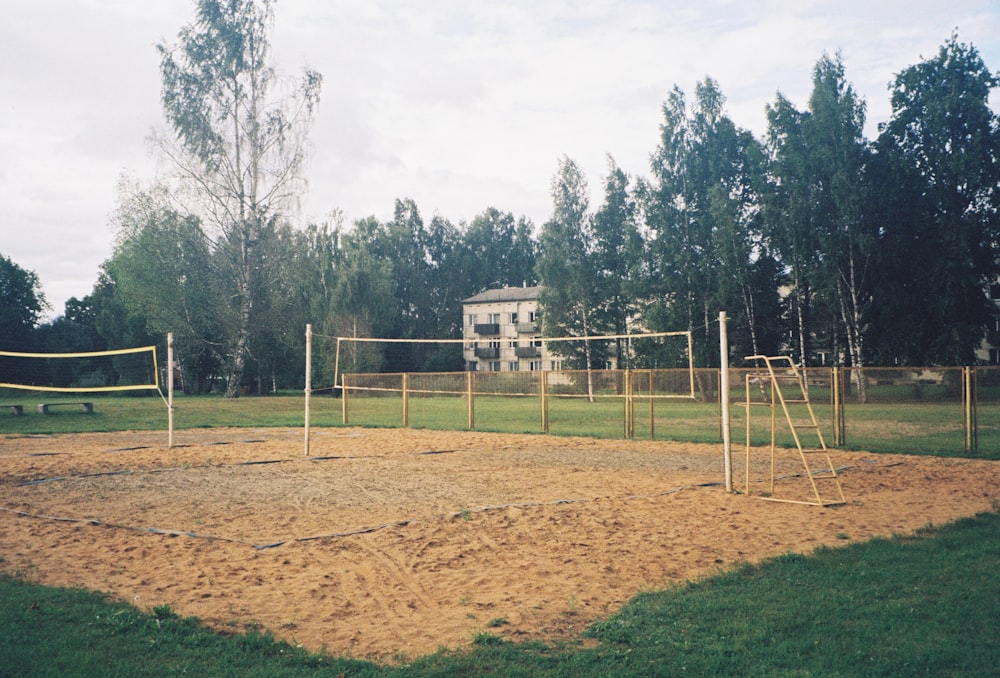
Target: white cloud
{"x": 458, "y": 105}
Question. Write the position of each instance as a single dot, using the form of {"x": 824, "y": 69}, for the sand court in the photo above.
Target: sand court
{"x": 388, "y": 543}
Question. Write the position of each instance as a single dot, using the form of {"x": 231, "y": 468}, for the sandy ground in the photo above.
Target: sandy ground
{"x": 389, "y": 544}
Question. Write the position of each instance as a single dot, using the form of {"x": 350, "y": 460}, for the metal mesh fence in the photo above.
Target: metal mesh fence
{"x": 939, "y": 410}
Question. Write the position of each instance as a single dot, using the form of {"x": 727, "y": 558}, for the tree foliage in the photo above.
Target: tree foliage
{"x": 816, "y": 219}
{"x": 937, "y": 177}
{"x": 21, "y": 305}
{"x": 705, "y": 249}
{"x": 238, "y": 147}
{"x": 816, "y": 241}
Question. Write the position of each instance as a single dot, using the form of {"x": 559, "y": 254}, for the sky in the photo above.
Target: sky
{"x": 457, "y": 104}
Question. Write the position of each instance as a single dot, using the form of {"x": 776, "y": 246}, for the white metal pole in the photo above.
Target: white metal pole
{"x": 727, "y": 443}
{"x": 308, "y": 390}
{"x": 170, "y": 389}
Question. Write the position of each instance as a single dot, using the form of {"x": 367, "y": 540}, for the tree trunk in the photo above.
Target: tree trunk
{"x": 242, "y": 343}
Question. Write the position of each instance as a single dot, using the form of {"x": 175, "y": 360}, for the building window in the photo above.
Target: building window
{"x": 555, "y": 365}
{"x": 535, "y": 365}
{"x": 512, "y": 366}
{"x": 495, "y": 366}
{"x": 494, "y": 318}
{"x": 472, "y": 319}
{"x": 513, "y": 318}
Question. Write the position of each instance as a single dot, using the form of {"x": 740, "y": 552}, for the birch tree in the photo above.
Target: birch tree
{"x": 237, "y": 146}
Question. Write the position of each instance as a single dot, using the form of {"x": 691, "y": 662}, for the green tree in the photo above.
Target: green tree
{"x": 163, "y": 271}
{"x": 569, "y": 299}
{"x": 498, "y": 250}
{"x": 616, "y": 243}
{"x": 936, "y": 173}
{"x": 238, "y": 149}
{"x": 702, "y": 210}
{"x": 817, "y": 218}
{"x": 21, "y": 305}
{"x": 788, "y": 215}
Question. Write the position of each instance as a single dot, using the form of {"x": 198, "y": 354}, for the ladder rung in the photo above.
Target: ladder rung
{"x": 806, "y": 425}
{"x": 813, "y": 450}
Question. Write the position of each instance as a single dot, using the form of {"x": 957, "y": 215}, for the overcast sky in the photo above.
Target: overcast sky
{"x": 457, "y": 104}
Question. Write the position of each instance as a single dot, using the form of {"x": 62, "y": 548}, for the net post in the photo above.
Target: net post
{"x": 308, "y": 387}
{"x": 968, "y": 407}
{"x": 170, "y": 389}
{"x": 727, "y": 443}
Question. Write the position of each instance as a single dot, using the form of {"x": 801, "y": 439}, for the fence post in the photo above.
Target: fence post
{"x": 543, "y": 401}
{"x": 629, "y": 404}
{"x": 343, "y": 399}
{"x": 470, "y": 400}
{"x": 652, "y": 411}
{"x": 836, "y": 404}
{"x": 406, "y": 399}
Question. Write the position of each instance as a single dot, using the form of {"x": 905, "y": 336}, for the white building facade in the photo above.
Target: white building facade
{"x": 502, "y": 332}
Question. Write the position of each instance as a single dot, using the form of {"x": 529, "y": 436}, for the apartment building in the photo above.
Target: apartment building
{"x": 502, "y": 332}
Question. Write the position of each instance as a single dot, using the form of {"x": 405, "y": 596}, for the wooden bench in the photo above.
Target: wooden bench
{"x": 18, "y": 410}
{"x": 44, "y": 407}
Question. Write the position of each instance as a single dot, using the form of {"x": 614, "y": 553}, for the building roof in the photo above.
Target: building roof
{"x": 504, "y": 294}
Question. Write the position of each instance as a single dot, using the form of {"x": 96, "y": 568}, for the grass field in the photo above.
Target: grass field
{"x": 907, "y": 427}
{"x": 923, "y": 604}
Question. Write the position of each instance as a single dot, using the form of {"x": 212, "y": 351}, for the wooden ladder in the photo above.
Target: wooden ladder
{"x": 788, "y": 385}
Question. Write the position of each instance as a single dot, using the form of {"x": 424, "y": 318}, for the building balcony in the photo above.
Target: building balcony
{"x": 488, "y": 352}
{"x": 486, "y": 328}
{"x": 527, "y": 352}
{"x": 526, "y": 328}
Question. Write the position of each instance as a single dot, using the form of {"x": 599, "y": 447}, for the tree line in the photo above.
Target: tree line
{"x": 818, "y": 242}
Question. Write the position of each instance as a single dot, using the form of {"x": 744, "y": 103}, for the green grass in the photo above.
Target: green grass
{"x": 924, "y": 605}
{"x": 934, "y": 428}
{"x": 927, "y": 604}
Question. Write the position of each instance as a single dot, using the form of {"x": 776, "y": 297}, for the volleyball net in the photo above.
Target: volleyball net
{"x": 495, "y": 383}
{"x": 507, "y": 363}
{"x": 128, "y": 369}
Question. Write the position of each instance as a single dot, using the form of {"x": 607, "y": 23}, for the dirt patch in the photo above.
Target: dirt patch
{"x": 389, "y": 544}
